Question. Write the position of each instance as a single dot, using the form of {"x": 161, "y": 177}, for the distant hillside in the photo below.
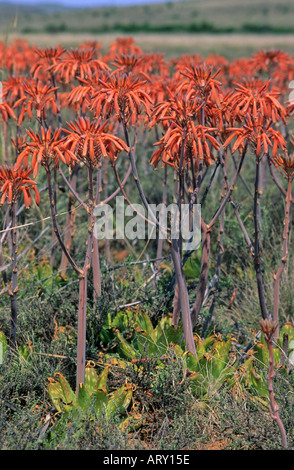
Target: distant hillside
{"x": 216, "y": 16}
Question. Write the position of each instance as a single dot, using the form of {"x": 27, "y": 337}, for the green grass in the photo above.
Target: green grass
{"x": 181, "y": 16}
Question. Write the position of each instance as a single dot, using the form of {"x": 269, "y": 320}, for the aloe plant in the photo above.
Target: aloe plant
{"x": 213, "y": 366}
{"x": 93, "y": 394}
{"x": 206, "y": 371}
{"x": 144, "y": 339}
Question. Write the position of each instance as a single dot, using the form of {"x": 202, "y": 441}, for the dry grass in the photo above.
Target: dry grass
{"x": 229, "y": 45}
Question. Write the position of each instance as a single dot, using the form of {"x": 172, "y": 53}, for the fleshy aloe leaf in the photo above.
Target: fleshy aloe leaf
{"x": 145, "y": 344}
{"x": 220, "y": 358}
{"x": 162, "y": 326}
{"x": 126, "y": 349}
{"x": 91, "y": 379}
{"x": 119, "y": 400}
{"x": 101, "y": 401}
{"x": 145, "y": 324}
{"x": 55, "y": 394}
{"x": 68, "y": 393}
{"x": 102, "y": 379}
{"x": 171, "y": 335}
{"x": 84, "y": 397}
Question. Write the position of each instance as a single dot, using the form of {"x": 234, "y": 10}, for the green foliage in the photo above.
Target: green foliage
{"x": 215, "y": 365}
{"x": 3, "y": 346}
{"x": 93, "y": 395}
{"x": 157, "y": 18}
{"x": 145, "y": 339}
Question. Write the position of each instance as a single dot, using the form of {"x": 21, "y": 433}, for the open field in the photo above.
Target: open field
{"x": 198, "y": 15}
{"x": 230, "y": 28}
{"x": 228, "y": 45}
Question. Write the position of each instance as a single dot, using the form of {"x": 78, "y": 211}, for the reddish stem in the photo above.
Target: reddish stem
{"x": 277, "y": 276}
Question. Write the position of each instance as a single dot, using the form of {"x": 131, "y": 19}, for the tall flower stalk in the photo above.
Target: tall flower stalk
{"x": 268, "y": 328}
{"x": 285, "y": 163}
{"x": 87, "y": 142}
{"x": 258, "y": 133}
{"x": 15, "y": 183}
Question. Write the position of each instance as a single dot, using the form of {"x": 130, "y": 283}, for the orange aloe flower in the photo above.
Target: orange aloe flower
{"x": 216, "y": 61}
{"x": 218, "y": 112}
{"x": 46, "y": 149}
{"x": 183, "y": 62}
{"x": 77, "y": 63}
{"x": 89, "y": 141}
{"x": 180, "y": 108}
{"x": 239, "y": 70}
{"x": 161, "y": 89}
{"x": 97, "y": 46}
{"x": 285, "y": 164}
{"x": 13, "y": 88}
{"x": 270, "y": 60}
{"x": 122, "y": 95}
{"x": 122, "y": 46}
{"x": 18, "y": 57}
{"x": 14, "y": 182}
{"x": 260, "y": 137}
{"x": 38, "y": 97}
{"x": 127, "y": 63}
{"x": 202, "y": 79}
{"x": 46, "y": 58}
{"x": 6, "y": 111}
{"x": 79, "y": 97}
{"x": 254, "y": 97}
{"x": 154, "y": 64}
{"x": 195, "y": 138}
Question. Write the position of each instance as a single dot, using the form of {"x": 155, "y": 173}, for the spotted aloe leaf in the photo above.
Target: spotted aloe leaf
{"x": 132, "y": 422}
{"x": 169, "y": 336}
{"x": 162, "y": 326}
{"x": 91, "y": 379}
{"x": 252, "y": 380}
{"x": 145, "y": 344}
{"x": 102, "y": 379}
{"x": 119, "y": 400}
{"x": 84, "y": 397}
{"x": 93, "y": 385}
{"x": 203, "y": 345}
{"x": 220, "y": 359}
{"x": 198, "y": 384}
{"x": 144, "y": 322}
{"x": 61, "y": 394}
{"x": 56, "y": 394}
{"x": 67, "y": 391}
{"x": 123, "y": 320}
{"x": 3, "y": 346}
{"x": 92, "y": 393}
{"x": 125, "y": 348}
{"x": 101, "y": 401}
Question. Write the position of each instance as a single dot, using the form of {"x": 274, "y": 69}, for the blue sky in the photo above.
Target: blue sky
{"x": 81, "y": 3}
